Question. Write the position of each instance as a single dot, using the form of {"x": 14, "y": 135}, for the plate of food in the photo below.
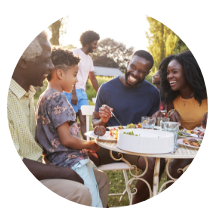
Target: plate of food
{"x": 190, "y": 142}
{"x": 197, "y": 132}
{"x": 105, "y": 137}
{"x": 100, "y": 133}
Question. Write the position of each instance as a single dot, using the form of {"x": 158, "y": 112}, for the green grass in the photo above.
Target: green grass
{"x": 117, "y": 185}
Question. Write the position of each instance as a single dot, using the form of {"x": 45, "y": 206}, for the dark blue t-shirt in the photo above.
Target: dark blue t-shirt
{"x": 129, "y": 104}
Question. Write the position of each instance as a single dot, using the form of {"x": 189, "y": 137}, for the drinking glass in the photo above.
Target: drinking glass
{"x": 163, "y": 119}
{"x": 148, "y": 122}
{"x": 172, "y": 127}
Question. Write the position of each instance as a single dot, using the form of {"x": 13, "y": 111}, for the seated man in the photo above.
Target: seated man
{"x": 129, "y": 97}
{"x": 32, "y": 68}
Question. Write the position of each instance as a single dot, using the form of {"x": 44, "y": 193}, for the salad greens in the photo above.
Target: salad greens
{"x": 200, "y": 142}
{"x": 131, "y": 133}
{"x": 180, "y": 134}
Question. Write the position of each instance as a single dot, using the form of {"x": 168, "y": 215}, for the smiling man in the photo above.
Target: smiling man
{"x": 32, "y": 68}
{"x": 78, "y": 96}
{"x": 129, "y": 97}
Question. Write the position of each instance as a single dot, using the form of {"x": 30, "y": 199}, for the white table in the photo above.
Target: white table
{"x": 181, "y": 153}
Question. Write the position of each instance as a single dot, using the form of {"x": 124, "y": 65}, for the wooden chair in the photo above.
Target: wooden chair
{"x": 88, "y": 111}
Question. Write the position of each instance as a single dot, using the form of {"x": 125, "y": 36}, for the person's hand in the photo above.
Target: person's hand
{"x": 104, "y": 113}
{"x": 93, "y": 147}
{"x": 92, "y": 152}
{"x": 158, "y": 114}
{"x": 74, "y": 99}
{"x": 175, "y": 116}
{"x": 204, "y": 120}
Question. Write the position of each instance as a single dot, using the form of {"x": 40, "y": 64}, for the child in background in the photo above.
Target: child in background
{"x": 57, "y": 130}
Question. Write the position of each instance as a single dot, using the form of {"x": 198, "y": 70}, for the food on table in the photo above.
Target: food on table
{"x": 131, "y": 133}
{"x": 192, "y": 142}
{"x": 200, "y": 131}
{"x": 133, "y": 125}
{"x": 114, "y": 133}
{"x": 99, "y": 130}
{"x": 114, "y": 130}
{"x": 180, "y": 134}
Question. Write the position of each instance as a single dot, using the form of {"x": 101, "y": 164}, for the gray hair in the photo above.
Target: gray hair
{"x": 34, "y": 49}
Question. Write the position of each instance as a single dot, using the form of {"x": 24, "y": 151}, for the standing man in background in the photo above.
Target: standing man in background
{"x": 78, "y": 96}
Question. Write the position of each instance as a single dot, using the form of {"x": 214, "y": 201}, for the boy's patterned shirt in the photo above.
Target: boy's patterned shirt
{"x": 53, "y": 109}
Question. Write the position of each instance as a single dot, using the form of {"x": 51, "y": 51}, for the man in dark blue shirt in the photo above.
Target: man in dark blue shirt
{"x": 129, "y": 97}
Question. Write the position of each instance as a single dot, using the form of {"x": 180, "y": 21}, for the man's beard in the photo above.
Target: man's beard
{"x": 90, "y": 50}
{"x": 132, "y": 85}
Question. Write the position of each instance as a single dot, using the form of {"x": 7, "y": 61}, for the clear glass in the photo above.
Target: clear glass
{"x": 172, "y": 127}
{"x": 163, "y": 119}
{"x": 148, "y": 122}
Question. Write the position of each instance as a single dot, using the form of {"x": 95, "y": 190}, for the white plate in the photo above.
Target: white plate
{"x": 107, "y": 136}
{"x": 180, "y": 141}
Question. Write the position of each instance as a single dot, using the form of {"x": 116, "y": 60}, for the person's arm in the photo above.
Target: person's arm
{"x": 204, "y": 120}
{"x": 74, "y": 98}
{"x": 102, "y": 113}
{"x": 46, "y": 171}
{"x": 93, "y": 81}
{"x": 74, "y": 142}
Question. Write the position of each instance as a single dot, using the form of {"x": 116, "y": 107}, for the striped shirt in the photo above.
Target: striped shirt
{"x": 22, "y": 121}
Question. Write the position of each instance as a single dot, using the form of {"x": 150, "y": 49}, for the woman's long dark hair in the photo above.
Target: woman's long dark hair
{"x": 193, "y": 75}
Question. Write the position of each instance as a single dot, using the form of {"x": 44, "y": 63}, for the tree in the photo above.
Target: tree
{"x": 58, "y": 29}
{"x": 111, "y": 53}
{"x": 104, "y": 61}
{"x": 180, "y": 46}
{"x": 162, "y": 42}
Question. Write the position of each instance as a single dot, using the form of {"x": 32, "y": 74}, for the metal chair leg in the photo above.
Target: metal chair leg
{"x": 126, "y": 181}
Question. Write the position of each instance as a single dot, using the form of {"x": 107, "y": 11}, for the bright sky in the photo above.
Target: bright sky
{"x": 119, "y": 29}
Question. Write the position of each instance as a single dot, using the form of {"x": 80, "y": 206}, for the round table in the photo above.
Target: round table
{"x": 181, "y": 153}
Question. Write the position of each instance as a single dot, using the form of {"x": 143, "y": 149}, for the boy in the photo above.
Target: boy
{"x": 57, "y": 130}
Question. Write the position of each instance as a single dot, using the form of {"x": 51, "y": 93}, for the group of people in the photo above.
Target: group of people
{"x": 69, "y": 165}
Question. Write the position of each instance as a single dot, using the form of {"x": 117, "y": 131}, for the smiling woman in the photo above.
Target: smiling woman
{"x": 183, "y": 90}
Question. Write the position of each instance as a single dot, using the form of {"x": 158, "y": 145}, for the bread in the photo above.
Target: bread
{"x": 192, "y": 142}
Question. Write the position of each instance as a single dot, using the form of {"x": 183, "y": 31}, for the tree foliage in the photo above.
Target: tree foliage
{"x": 111, "y": 53}
{"x": 104, "y": 61}
{"x": 180, "y": 46}
{"x": 162, "y": 42}
{"x": 58, "y": 29}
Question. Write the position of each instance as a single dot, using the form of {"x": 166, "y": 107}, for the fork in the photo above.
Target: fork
{"x": 116, "y": 118}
